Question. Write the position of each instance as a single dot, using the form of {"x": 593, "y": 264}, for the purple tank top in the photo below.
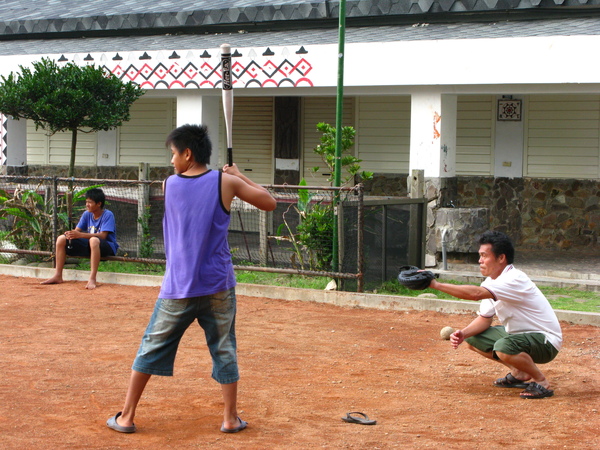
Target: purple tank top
{"x": 195, "y": 228}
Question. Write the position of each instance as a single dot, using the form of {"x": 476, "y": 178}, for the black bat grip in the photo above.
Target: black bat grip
{"x": 230, "y": 157}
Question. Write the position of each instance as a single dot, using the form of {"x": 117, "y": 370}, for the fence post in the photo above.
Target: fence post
{"x": 54, "y": 216}
{"x": 341, "y": 236}
{"x": 416, "y": 186}
{"x": 360, "y": 256}
{"x": 263, "y": 251}
{"x": 143, "y": 202}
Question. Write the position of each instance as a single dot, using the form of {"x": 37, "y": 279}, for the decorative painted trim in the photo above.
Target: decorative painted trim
{"x": 198, "y": 70}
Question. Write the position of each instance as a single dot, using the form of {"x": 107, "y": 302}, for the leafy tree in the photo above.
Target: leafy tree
{"x": 314, "y": 233}
{"x": 67, "y": 98}
{"x": 326, "y": 150}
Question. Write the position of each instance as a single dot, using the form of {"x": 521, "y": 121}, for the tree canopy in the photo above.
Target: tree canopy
{"x": 67, "y": 98}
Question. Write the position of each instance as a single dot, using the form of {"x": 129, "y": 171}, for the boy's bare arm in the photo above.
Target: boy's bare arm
{"x": 239, "y": 185}
{"x": 233, "y": 170}
{"x": 79, "y": 234}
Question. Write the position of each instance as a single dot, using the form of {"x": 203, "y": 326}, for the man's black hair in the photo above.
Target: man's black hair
{"x": 194, "y": 137}
{"x": 501, "y": 244}
{"x": 97, "y": 195}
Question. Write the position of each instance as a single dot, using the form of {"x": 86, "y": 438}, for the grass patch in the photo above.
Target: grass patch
{"x": 281, "y": 279}
{"x": 394, "y": 288}
{"x": 559, "y": 298}
{"x": 572, "y": 299}
{"x": 124, "y": 267}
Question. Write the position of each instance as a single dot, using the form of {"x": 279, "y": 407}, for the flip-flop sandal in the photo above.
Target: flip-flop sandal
{"x": 240, "y": 427}
{"x": 535, "y": 390}
{"x": 364, "y": 420}
{"x": 509, "y": 381}
{"x": 112, "y": 424}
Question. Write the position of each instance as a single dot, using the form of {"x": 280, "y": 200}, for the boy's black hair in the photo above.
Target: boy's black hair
{"x": 97, "y": 195}
{"x": 501, "y": 244}
{"x": 194, "y": 137}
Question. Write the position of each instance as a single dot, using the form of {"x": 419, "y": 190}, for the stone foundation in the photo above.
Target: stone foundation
{"x": 94, "y": 172}
{"x": 548, "y": 214}
{"x": 386, "y": 184}
{"x": 457, "y": 226}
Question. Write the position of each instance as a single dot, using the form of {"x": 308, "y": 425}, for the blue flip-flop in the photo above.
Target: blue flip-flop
{"x": 240, "y": 427}
{"x": 113, "y": 424}
{"x": 358, "y": 417}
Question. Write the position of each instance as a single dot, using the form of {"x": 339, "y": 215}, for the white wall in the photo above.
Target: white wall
{"x": 194, "y": 108}
{"x": 433, "y": 133}
{"x": 508, "y": 160}
{"x": 383, "y": 133}
{"x": 16, "y": 150}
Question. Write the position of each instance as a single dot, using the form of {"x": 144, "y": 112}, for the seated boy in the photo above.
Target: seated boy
{"x": 94, "y": 237}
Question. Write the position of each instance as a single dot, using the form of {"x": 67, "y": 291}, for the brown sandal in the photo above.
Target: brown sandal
{"x": 535, "y": 390}
{"x": 509, "y": 381}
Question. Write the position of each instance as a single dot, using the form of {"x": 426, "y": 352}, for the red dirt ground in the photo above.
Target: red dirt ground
{"x": 66, "y": 355}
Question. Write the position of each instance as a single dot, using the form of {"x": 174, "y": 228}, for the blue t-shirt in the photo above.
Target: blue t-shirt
{"x": 106, "y": 222}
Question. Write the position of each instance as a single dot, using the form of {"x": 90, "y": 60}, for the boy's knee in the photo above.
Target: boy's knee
{"x": 94, "y": 242}
{"x": 61, "y": 240}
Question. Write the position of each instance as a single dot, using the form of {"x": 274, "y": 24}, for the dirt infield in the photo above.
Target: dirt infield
{"x": 66, "y": 355}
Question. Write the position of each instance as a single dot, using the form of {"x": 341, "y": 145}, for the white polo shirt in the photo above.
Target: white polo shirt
{"x": 520, "y": 306}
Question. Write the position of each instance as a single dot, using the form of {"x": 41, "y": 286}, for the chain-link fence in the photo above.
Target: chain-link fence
{"x": 374, "y": 237}
{"x": 35, "y": 210}
{"x": 298, "y": 236}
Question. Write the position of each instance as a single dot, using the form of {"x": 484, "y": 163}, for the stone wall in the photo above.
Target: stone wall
{"x": 385, "y": 184}
{"x": 458, "y": 226}
{"x": 549, "y": 214}
{"x": 94, "y": 172}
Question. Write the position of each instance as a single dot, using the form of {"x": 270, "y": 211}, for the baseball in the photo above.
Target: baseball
{"x": 446, "y": 332}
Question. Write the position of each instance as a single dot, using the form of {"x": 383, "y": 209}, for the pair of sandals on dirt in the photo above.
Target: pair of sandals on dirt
{"x": 532, "y": 390}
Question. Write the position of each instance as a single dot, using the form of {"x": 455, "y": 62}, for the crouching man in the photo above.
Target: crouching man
{"x": 530, "y": 333}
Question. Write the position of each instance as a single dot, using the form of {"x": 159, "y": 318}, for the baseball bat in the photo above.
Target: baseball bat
{"x": 227, "y": 98}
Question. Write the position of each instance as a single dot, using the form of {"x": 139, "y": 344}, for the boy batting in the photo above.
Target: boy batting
{"x": 199, "y": 281}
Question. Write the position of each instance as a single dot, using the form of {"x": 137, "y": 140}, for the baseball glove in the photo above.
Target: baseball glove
{"x": 413, "y": 278}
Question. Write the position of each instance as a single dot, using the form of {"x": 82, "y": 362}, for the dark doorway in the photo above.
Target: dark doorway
{"x": 287, "y": 140}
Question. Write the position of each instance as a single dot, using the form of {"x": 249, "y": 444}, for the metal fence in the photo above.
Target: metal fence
{"x": 375, "y": 236}
{"x": 35, "y": 210}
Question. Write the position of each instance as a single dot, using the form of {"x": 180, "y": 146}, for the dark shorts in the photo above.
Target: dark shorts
{"x": 81, "y": 247}
{"x": 496, "y": 339}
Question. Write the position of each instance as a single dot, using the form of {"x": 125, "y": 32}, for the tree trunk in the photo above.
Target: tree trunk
{"x": 73, "y": 149}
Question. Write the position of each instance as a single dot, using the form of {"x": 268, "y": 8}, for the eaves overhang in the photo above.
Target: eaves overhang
{"x": 29, "y": 19}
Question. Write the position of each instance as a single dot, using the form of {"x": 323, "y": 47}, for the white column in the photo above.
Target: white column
{"x": 448, "y": 138}
{"x": 194, "y": 108}
{"x": 16, "y": 142}
{"x": 107, "y": 148}
{"x": 433, "y": 134}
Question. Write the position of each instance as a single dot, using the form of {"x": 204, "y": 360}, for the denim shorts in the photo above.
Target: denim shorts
{"x": 496, "y": 339}
{"x": 171, "y": 318}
